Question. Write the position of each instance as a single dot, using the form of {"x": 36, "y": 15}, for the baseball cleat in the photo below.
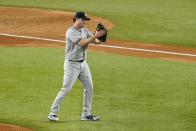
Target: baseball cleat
{"x": 90, "y": 118}
{"x": 53, "y": 118}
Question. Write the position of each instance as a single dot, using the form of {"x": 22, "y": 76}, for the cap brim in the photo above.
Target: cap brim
{"x": 87, "y": 19}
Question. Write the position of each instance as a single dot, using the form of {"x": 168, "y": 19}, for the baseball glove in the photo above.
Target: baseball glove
{"x": 102, "y": 27}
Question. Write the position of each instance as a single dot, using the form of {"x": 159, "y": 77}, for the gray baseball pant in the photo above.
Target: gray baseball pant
{"x": 72, "y": 72}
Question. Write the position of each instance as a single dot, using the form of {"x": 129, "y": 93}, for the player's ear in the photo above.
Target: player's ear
{"x": 74, "y": 20}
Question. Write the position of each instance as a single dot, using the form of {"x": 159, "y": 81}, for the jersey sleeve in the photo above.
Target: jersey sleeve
{"x": 73, "y": 36}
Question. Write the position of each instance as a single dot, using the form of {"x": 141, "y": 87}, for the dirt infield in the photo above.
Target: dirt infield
{"x": 7, "y": 127}
{"x": 53, "y": 24}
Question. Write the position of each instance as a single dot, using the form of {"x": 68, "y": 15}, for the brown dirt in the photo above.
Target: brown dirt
{"x": 7, "y": 127}
{"x": 40, "y": 23}
{"x": 53, "y": 24}
{"x": 149, "y": 54}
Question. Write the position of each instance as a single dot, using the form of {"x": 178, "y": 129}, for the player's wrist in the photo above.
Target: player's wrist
{"x": 93, "y": 37}
{"x": 90, "y": 39}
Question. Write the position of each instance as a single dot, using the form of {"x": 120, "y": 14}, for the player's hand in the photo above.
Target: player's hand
{"x": 99, "y": 33}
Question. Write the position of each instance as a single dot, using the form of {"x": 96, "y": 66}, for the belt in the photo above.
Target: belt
{"x": 77, "y": 60}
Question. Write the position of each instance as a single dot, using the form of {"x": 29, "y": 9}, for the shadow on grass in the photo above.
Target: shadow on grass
{"x": 68, "y": 121}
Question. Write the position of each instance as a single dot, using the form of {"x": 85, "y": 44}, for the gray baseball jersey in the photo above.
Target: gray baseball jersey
{"x": 73, "y": 70}
{"x": 73, "y": 50}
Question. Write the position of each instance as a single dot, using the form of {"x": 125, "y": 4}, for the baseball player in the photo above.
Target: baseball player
{"x": 75, "y": 66}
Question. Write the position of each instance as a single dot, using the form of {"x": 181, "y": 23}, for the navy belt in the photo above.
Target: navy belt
{"x": 77, "y": 60}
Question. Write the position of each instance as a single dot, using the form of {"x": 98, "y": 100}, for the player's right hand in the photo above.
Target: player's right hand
{"x": 99, "y": 33}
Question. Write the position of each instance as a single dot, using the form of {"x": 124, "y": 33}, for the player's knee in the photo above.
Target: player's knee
{"x": 90, "y": 89}
{"x": 66, "y": 89}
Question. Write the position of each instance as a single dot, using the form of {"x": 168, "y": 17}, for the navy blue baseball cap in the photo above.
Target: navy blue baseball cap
{"x": 81, "y": 15}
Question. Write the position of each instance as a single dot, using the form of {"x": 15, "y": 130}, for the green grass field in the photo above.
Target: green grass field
{"x": 131, "y": 94}
{"x": 170, "y": 22}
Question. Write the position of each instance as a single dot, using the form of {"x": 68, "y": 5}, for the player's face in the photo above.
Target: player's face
{"x": 81, "y": 22}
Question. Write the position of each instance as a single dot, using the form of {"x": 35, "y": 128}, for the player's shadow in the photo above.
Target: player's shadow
{"x": 65, "y": 121}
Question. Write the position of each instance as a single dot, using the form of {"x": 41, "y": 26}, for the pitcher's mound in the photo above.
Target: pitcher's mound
{"x": 41, "y": 23}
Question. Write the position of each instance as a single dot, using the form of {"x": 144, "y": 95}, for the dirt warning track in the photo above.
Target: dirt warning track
{"x": 23, "y": 27}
